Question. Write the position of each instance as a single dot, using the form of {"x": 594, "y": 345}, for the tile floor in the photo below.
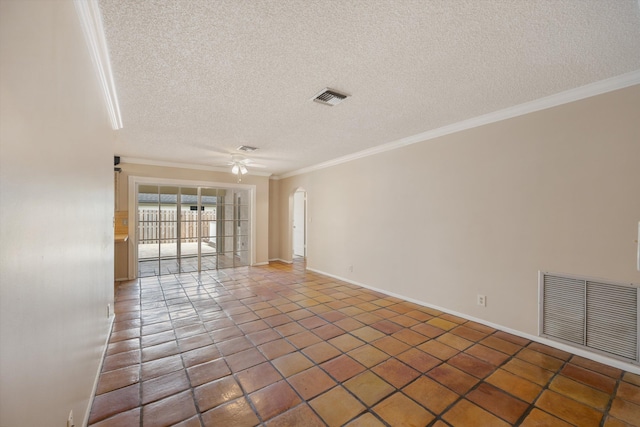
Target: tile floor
{"x": 281, "y": 346}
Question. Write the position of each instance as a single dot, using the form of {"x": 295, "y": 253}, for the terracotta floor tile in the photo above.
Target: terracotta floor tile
{"x": 301, "y": 415}
{"x": 292, "y": 363}
{"x": 312, "y": 322}
{"x": 467, "y": 414}
{"x": 121, "y": 360}
{"x": 410, "y": 337}
{"x": 418, "y": 359}
{"x": 430, "y": 394}
{"x": 119, "y": 378}
{"x": 468, "y": 333}
{"x": 122, "y": 346}
{"x": 395, "y": 372}
{"x": 245, "y": 359}
{"x": 234, "y": 345}
{"x": 558, "y": 354}
{"x": 241, "y": 341}
{"x": 631, "y": 378}
{"x": 128, "y": 418}
{"x": 255, "y": 326}
{"x": 261, "y": 337}
{"x": 207, "y": 372}
{"x": 367, "y": 334}
{"x": 590, "y": 378}
{"x": 346, "y": 342}
{"x": 501, "y": 345}
{"x": 471, "y": 365}
{"x": 442, "y": 323}
{"x": 311, "y": 382}
{"x": 538, "y": 418}
{"x": 290, "y": 328}
{"x": 193, "y": 342}
{"x": 609, "y": 371}
{"x": 369, "y": 387}
{"x": 399, "y": 410}
{"x": 580, "y": 392}
{"x": 512, "y": 338}
{"x": 113, "y": 402}
{"x": 237, "y": 413}
{"x": 342, "y": 367}
{"x": 166, "y": 385}
{"x": 437, "y": 349}
{"x": 368, "y": 355}
{"x": 274, "y": 400}
{"x": 216, "y": 393}
{"x": 274, "y": 349}
{"x": 453, "y": 378}
{"x": 336, "y": 406}
{"x": 486, "y": 354}
{"x": 498, "y": 402}
{"x": 568, "y": 409}
{"x": 540, "y": 359}
{"x": 528, "y": 371}
{"x": 168, "y": 411}
{"x": 304, "y": 339}
{"x": 428, "y": 330}
{"x": 390, "y": 345}
{"x": 625, "y": 411}
{"x": 629, "y": 392}
{"x": 258, "y": 377}
{"x": 365, "y": 420}
{"x": 321, "y": 352}
{"x": 386, "y": 326}
{"x": 200, "y": 355}
{"x": 614, "y": 422}
{"x": 159, "y": 367}
{"x": 327, "y": 332}
{"x": 454, "y": 341}
{"x": 514, "y": 385}
{"x": 348, "y": 324}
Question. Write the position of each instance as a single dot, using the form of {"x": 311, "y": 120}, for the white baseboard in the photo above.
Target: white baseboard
{"x": 97, "y": 378}
{"x": 257, "y": 264}
{"x": 629, "y": 367}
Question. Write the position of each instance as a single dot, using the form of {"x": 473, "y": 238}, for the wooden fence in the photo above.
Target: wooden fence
{"x": 155, "y": 225}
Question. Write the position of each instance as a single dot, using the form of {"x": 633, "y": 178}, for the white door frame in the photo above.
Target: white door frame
{"x": 303, "y": 221}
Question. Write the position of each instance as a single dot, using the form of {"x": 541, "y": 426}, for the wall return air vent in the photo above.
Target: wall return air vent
{"x": 590, "y": 313}
{"x": 329, "y": 97}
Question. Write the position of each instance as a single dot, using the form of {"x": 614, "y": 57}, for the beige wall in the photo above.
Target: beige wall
{"x": 56, "y": 210}
{"x": 481, "y": 211}
{"x": 274, "y": 218}
{"x": 261, "y": 184}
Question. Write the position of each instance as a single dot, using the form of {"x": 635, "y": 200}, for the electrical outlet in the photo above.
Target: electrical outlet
{"x": 482, "y": 300}
{"x": 351, "y": 269}
{"x": 70, "y": 422}
{"x": 108, "y": 310}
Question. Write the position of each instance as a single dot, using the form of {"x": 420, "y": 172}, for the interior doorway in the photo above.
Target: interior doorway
{"x": 300, "y": 223}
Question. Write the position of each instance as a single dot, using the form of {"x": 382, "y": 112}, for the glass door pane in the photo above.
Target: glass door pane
{"x": 188, "y": 229}
{"x": 168, "y": 230}
{"x": 208, "y": 227}
{"x": 148, "y": 244}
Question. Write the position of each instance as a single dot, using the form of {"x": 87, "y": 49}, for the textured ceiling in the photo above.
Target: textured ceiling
{"x": 197, "y": 78}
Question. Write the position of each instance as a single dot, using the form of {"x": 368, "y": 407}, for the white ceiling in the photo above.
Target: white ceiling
{"x": 197, "y": 78}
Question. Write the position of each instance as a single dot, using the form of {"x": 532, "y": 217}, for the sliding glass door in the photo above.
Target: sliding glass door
{"x": 187, "y": 228}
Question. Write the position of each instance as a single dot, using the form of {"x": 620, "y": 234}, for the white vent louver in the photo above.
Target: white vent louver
{"x": 590, "y": 313}
{"x": 329, "y": 97}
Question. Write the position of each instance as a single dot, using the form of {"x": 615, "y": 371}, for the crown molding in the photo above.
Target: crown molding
{"x": 150, "y": 162}
{"x": 568, "y": 96}
{"x": 91, "y": 22}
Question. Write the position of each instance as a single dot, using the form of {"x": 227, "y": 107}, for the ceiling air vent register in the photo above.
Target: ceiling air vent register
{"x": 329, "y": 97}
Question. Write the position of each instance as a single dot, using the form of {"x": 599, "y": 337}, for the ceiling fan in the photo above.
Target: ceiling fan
{"x": 239, "y": 164}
